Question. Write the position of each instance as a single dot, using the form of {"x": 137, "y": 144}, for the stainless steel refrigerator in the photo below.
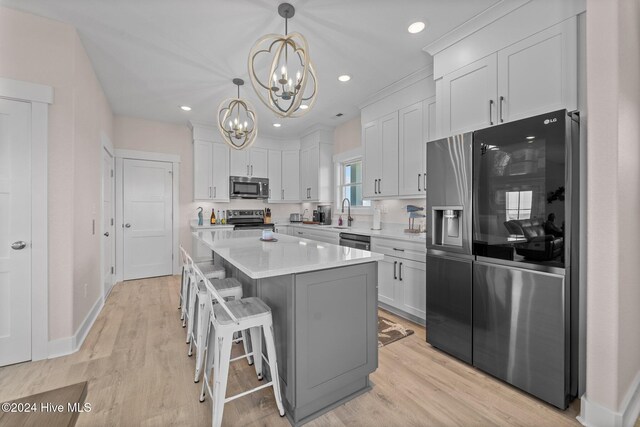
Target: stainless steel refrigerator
{"x": 502, "y": 253}
{"x": 449, "y": 256}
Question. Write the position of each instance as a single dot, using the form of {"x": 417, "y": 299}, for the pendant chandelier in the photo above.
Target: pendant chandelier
{"x": 237, "y": 121}
{"x": 284, "y": 80}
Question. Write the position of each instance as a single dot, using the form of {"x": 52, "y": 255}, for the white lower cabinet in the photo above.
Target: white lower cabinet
{"x": 402, "y": 284}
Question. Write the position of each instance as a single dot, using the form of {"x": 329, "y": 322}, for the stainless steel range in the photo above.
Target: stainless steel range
{"x": 247, "y": 220}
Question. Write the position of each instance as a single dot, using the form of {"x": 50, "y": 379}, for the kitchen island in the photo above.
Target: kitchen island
{"x": 323, "y": 299}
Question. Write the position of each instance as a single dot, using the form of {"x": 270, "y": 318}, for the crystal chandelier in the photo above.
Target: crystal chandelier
{"x": 237, "y": 121}
{"x": 288, "y": 84}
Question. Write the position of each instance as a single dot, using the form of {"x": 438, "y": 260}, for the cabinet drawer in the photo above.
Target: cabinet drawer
{"x": 415, "y": 251}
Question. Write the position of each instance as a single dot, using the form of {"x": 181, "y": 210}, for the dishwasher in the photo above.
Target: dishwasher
{"x": 357, "y": 241}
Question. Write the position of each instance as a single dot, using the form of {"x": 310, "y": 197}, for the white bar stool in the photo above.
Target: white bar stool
{"x": 210, "y": 271}
{"x": 226, "y": 319}
{"x": 227, "y": 288}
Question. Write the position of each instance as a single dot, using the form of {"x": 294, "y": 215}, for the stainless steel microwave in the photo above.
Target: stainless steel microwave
{"x": 242, "y": 187}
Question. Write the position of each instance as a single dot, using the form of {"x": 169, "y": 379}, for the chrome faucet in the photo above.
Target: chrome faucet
{"x": 349, "y": 219}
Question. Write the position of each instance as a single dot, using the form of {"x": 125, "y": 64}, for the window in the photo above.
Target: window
{"x": 519, "y": 204}
{"x": 350, "y": 183}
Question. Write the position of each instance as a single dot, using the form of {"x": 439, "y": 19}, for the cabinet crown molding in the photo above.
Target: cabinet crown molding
{"x": 403, "y": 83}
{"x": 472, "y": 25}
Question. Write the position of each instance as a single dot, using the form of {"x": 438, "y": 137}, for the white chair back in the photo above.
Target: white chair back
{"x": 213, "y": 292}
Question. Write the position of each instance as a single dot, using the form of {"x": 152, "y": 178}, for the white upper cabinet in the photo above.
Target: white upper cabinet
{"x": 258, "y": 162}
{"x": 372, "y": 158}
{"x": 210, "y": 171}
{"x": 275, "y": 176}
{"x": 467, "y": 97}
{"x": 538, "y": 74}
{"x": 252, "y": 162}
{"x": 284, "y": 176}
{"x": 380, "y": 142}
{"x": 533, "y": 76}
{"x": 291, "y": 175}
{"x": 388, "y": 181}
{"x": 202, "y": 170}
{"x": 316, "y": 168}
{"x": 411, "y": 150}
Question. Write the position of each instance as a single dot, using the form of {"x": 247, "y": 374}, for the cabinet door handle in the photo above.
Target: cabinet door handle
{"x": 500, "y": 107}
{"x": 400, "y": 272}
{"x": 210, "y": 196}
{"x": 299, "y": 232}
{"x": 375, "y": 186}
{"x": 269, "y": 193}
{"x": 251, "y": 170}
{"x": 419, "y": 176}
{"x": 283, "y": 194}
{"x": 491, "y": 111}
{"x": 398, "y": 249}
{"x": 215, "y": 192}
{"x": 424, "y": 179}
{"x": 247, "y": 170}
{"x": 395, "y": 264}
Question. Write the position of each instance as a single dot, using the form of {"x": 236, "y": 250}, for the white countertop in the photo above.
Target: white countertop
{"x": 387, "y": 233}
{"x": 208, "y": 226}
{"x": 289, "y": 255}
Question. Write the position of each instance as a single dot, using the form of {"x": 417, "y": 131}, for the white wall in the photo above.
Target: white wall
{"x": 613, "y": 203}
{"x": 40, "y": 50}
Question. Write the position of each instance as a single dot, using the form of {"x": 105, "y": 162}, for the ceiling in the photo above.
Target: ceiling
{"x": 152, "y": 56}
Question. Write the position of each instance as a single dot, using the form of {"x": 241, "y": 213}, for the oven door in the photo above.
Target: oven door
{"x": 248, "y": 188}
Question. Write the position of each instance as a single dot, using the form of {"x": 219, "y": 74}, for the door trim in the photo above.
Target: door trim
{"x": 39, "y": 96}
{"x": 108, "y": 147}
{"x": 174, "y": 159}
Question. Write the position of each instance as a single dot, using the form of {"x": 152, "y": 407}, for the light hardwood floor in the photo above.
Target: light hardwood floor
{"x": 135, "y": 361}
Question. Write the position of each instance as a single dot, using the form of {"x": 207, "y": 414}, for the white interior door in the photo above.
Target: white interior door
{"x": 148, "y": 223}
{"x": 15, "y": 232}
{"x": 108, "y": 222}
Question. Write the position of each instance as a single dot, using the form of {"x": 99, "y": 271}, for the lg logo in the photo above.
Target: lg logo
{"x": 547, "y": 121}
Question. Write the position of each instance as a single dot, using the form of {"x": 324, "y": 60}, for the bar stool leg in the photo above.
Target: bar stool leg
{"x": 273, "y": 366}
{"x": 181, "y": 290}
{"x": 209, "y": 353}
{"x": 203, "y": 319}
{"x": 256, "y": 348}
{"x": 222, "y": 374}
{"x": 245, "y": 338}
{"x": 191, "y": 317}
{"x": 185, "y": 302}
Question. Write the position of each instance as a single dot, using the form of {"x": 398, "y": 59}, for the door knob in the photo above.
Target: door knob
{"x": 18, "y": 245}
{"x": 106, "y": 234}
{"x": 127, "y": 225}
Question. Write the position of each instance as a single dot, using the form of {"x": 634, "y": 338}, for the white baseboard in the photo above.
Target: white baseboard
{"x": 60, "y": 347}
{"x": 68, "y": 345}
{"x": 593, "y": 414}
{"x": 87, "y": 323}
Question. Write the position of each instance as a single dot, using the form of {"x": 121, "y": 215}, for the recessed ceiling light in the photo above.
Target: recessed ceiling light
{"x": 304, "y": 106}
{"x": 276, "y": 125}
{"x": 344, "y": 78}
{"x": 530, "y": 137}
{"x": 185, "y": 108}
{"x": 416, "y": 27}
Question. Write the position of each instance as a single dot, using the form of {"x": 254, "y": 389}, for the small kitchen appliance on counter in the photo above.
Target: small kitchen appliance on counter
{"x": 324, "y": 214}
{"x": 295, "y": 217}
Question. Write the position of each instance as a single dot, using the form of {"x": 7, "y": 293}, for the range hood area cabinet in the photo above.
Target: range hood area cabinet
{"x": 532, "y": 76}
{"x": 316, "y": 167}
{"x": 210, "y": 171}
{"x": 284, "y": 176}
{"x": 250, "y": 163}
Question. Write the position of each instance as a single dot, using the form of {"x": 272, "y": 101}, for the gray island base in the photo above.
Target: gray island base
{"x": 325, "y": 319}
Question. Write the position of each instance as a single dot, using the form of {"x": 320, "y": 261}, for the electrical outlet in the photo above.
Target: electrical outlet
{"x": 85, "y": 286}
